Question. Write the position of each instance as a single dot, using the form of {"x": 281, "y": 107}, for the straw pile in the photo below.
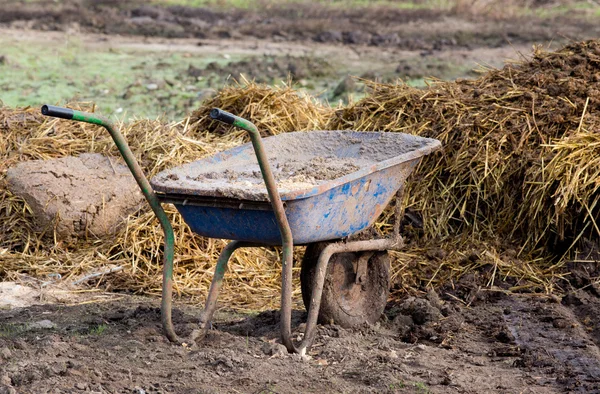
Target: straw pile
{"x": 517, "y": 162}
{"x": 26, "y": 135}
{"x": 273, "y": 110}
{"x": 518, "y": 177}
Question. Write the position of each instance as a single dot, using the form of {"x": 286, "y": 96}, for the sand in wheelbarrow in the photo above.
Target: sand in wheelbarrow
{"x": 300, "y": 161}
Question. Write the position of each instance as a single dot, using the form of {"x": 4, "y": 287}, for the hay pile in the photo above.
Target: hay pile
{"x": 254, "y": 276}
{"x": 517, "y": 160}
{"x": 273, "y": 110}
{"x": 518, "y": 177}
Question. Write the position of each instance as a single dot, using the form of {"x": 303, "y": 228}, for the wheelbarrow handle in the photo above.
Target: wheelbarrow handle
{"x": 287, "y": 240}
{"x": 223, "y": 116}
{"x": 57, "y": 112}
{"x": 146, "y": 188}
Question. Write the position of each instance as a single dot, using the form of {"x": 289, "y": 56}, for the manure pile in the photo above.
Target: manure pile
{"x": 519, "y": 159}
{"x": 504, "y": 204}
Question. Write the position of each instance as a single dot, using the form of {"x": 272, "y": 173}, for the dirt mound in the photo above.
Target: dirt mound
{"x": 78, "y": 196}
{"x": 499, "y": 173}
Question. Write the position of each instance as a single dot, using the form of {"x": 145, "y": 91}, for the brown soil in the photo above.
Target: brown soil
{"x": 503, "y": 344}
{"x": 389, "y": 27}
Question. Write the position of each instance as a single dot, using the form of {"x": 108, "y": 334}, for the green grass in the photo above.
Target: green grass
{"x": 120, "y": 82}
{"x": 99, "y": 329}
{"x": 421, "y": 388}
{"x": 565, "y": 9}
{"x": 127, "y": 83}
{"x": 8, "y": 330}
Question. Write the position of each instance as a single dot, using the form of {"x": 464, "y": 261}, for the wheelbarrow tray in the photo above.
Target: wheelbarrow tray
{"x": 333, "y": 184}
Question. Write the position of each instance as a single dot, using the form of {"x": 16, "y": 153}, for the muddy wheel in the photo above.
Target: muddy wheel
{"x": 345, "y": 302}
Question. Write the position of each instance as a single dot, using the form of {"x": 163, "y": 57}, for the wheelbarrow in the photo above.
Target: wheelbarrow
{"x": 322, "y": 189}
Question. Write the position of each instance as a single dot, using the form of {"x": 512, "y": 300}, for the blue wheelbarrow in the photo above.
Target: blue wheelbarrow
{"x": 322, "y": 189}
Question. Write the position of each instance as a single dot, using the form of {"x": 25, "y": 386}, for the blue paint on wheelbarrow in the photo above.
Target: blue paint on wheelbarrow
{"x": 332, "y": 210}
{"x": 337, "y": 213}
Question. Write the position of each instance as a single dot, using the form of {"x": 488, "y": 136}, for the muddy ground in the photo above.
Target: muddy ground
{"x": 463, "y": 340}
{"x": 498, "y": 344}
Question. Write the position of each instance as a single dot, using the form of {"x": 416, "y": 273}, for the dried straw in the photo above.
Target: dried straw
{"x": 254, "y": 274}
{"x": 274, "y": 110}
{"x": 519, "y": 172}
{"x": 498, "y": 175}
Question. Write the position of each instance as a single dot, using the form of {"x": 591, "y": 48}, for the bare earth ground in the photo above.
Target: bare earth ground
{"x": 470, "y": 341}
{"x": 503, "y": 344}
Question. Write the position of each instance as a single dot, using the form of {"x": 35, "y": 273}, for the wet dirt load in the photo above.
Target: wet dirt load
{"x": 300, "y": 161}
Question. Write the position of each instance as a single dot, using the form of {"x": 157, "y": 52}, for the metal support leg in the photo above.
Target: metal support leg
{"x": 217, "y": 282}
{"x": 167, "y": 289}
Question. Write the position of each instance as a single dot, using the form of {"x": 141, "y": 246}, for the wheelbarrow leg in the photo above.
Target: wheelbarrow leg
{"x": 286, "y": 292}
{"x": 167, "y": 289}
{"x": 217, "y": 282}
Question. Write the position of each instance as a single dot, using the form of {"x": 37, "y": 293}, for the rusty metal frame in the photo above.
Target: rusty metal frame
{"x": 394, "y": 242}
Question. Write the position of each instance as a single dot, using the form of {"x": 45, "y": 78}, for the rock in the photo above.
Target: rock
{"x": 5, "y": 353}
{"x": 80, "y": 386}
{"x": 42, "y": 324}
{"x": 152, "y": 86}
{"x": 80, "y": 196}
{"x": 274, "y": 349}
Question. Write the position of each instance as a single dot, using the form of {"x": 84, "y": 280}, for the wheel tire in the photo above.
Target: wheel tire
{"x": 343, "y": 302}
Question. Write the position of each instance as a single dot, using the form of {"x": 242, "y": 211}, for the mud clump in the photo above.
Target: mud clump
{"x": 420, "y": 310}
{"x": 78, "y": 196}
{"x": 419, "y": 318}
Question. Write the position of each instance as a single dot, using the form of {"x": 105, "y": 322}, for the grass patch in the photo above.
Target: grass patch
{"x": 122, "y": 83}
{"x": 99, "y": 329}
{"x": 128, "y": 84}
{"x": 8, "y": 330}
